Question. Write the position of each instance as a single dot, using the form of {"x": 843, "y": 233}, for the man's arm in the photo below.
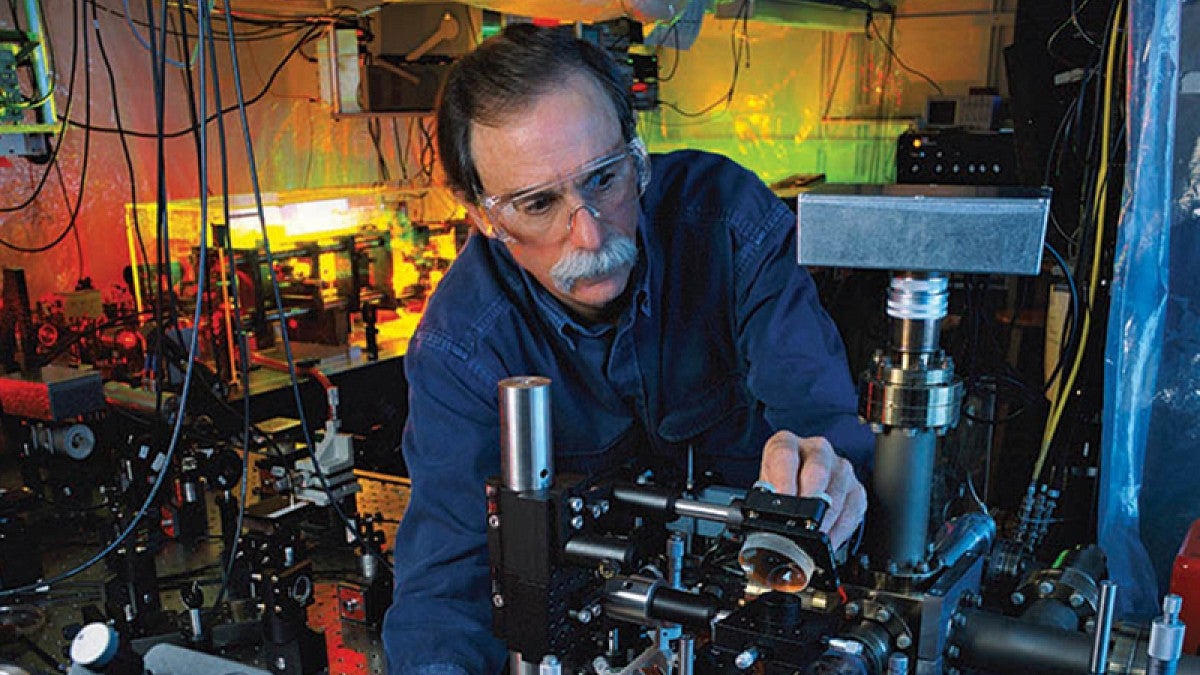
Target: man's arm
{"x": 797, "y": 369}
{"x": 440, "y": 619}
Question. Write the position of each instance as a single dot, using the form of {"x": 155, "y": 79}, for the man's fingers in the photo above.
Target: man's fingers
{"x": 781, "y": 462}
{"x": 817, "y": 464}
{"x": 853, "y": 510}
{"x": 838, "y": 491}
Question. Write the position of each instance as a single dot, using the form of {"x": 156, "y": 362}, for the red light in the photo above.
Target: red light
{"x": 639, "y": 87}
{"x": 127, "y": 339}
{"x": 293, "y": 324}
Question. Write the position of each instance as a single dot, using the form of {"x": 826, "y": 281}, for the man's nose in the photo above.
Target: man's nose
{"x": 587, "y": 232}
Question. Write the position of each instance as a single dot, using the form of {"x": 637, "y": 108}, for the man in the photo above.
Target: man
{"x": 661, "y": 297}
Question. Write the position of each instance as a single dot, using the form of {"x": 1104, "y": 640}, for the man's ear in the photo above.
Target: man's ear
{"x": 476, "y": 214}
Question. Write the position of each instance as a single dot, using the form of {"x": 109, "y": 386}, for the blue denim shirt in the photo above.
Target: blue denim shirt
{"x": 722, "y": 343}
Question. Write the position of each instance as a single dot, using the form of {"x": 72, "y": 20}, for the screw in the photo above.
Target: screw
{"x": 497, "y": 600}
{"x": 576, "y": 504}
{"x": 582, "y": 616}
{"x": 746, "y": 659}
{"x": 597, "y": 511}
{"x": 883, "y": 615}
{"x": 903, "y": 641}
{"x": 1076, "y": 600}
{"x": 959, "y": 620}
{"x": 852, "y": 609}
{"x": 350, "y": 605}
{"x": 494, "y": 521}
{"x": 577, "y": 522}
{"x": 604, "y": 505}
{"x": 1046, "y": 588}
{"x": 1017, "y": 598}
{"x": 952, "y": 651}
{"x": 281, "y": 663}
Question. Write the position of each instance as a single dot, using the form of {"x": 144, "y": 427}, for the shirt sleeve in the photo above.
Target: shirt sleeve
{"x": 440, "y": 618}
{"x": 796, "y": 361}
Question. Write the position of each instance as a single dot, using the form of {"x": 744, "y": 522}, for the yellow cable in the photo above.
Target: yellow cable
{"x": 1098, "y": 212}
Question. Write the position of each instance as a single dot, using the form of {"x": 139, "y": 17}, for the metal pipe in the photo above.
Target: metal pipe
{"x": 526, "y": 457}
{"x": 689, "y": 508}
{"x": 969, "y": 533}
{"x": 903, "y": 478}
{"x": 41, "y": 76}
{"x": 1098, "y": 662}
{"x": 1166, "y": 637}
{"x": 995, "y": 643}
{"x": 519, "y": 666}
{"x": 686, "y": 654}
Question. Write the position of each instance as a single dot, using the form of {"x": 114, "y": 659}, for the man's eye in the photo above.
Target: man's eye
{"x": 537, "y": 205}
{"x": 601, "y": 181}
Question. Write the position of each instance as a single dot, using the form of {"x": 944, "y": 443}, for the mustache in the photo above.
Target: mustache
{"x": 617, "y": 252}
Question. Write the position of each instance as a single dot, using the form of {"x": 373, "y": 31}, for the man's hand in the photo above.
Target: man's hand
{"x": 807, "y": 467}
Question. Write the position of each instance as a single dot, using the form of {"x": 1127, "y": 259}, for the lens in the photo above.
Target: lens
{"x": 775, "y": 562}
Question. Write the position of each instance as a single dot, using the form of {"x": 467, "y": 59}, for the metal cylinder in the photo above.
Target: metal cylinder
{"x": 687, "y": 654}
{"x": 519, "y": 666}
{"x": 690, "y": 508}
{"x": 903, "y": 477}
{"x": 369, "y": 565}
{"x": 1098, "y": 663}
{"x": 587, "y": 550}
{"x": 196, "y": 623}
{"x": 969, "y": 533}
{"x": 916, "y": 303}
{"x": 629, "y": 599}
{"x": 1166, "y": 636}
{"x": 995, "y": 643}
{"x": 76, "y": 441}
{"x": 526, "y": 452}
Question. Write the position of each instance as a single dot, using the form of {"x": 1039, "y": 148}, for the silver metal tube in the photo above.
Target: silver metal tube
{"x": 33, "y": 16}
{"x": 1166, "y": 637}
{"x": 686, "y": 654}
{"x": 969, "y": 533}
{"x": 688, "y": 508}
{"x": 903, "y": 477}
{"x": 519, "y": 666}
{"x": 526, "y": 454}
{"x": 1098, "y": 663}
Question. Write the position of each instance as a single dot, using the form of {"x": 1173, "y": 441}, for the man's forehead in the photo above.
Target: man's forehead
{"x": 554, "y": 135}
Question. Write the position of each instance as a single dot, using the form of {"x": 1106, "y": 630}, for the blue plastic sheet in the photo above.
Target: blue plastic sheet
{"x": 1151, "y": 440}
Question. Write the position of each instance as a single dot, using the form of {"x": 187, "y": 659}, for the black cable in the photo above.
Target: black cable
{"x": 116, "y": 103}
{"x": 401, "y": 153}
{"x": 251, "y": 101}
{"x": 739, "y": 49}
{"x": 235, "y": 312}
{"x": 673, "y": 31}
{"x": 287, "y": 345}
{"x": 1076, "y": 321}
{"x": 896, "y": 57}
{"x": 62, "y": 184}
{"x": 375, "y": 131}
{"x": 45, "y": 586}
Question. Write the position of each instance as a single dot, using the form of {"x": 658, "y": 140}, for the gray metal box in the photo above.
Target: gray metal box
{"x": 930, "y": 228}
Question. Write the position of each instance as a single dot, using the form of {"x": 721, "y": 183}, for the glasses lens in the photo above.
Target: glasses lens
{"x": 533, "y": 215}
